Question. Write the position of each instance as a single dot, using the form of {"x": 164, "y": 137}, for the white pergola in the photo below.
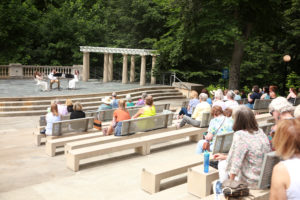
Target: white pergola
{"x": 108, "y": 62}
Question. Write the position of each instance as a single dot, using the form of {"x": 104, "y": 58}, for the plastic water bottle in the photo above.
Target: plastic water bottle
{"x": 206, "y": 162}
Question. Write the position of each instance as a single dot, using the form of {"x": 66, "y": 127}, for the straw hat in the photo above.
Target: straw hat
{"x": 106, "y": 100}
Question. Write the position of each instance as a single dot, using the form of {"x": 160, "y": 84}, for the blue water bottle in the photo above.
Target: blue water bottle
{"x": 206, "y": 161}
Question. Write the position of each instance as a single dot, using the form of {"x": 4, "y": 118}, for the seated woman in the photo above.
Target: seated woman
{"x": 292, "y": 96}
{"x": 253, "y": 96}
{"x": 285, "y": 182}
{"x": 231, "y": 103}
{"x": 218, "y": 101}
{"x": 52, "y": 117}
{"x": 245, "y": 158}
{"x": 119, "y": 115}
{"x": 39, "y": 79}
{"x": 218, "y": 125}
{"x": 106, "y": 104}
{"x": 69, "y": 105}
{"x": 204, "y": 90}
{"x": 272, "y": 91}
{"x": 129, "y": 102}
{"x": 141, "y": 101}
{"x": 148, "y": 110}
{"x": 237, "y": 95}
{"x": 192, "y": 104}
{"x": 266, "y": 92}
{"x": 77, "y": 111}
{"x": 72, "y": 83}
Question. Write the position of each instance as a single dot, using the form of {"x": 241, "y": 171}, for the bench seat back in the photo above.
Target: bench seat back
{"x": 260, "y": 104}
{"x": 161, "y": 120}
{"x": 223, "y": 143}
{"x": 74, "y": 125}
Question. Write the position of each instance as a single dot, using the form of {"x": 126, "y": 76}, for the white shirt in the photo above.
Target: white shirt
{"x": 231, "y": 104}
{"x": 51, "y": 76}
{"x": 292, "y": 166}
{"x": 219, "y": 103}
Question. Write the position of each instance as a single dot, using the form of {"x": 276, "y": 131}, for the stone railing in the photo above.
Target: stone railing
{"x": 27, "y": 71}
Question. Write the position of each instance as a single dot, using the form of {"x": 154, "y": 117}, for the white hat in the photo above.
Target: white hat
{"x": 128, "y": 97}
{"x": 106, "y": 100}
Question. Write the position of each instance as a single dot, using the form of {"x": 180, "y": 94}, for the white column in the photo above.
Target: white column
{"x": 105, "y": 68}
{"x": 86, "y": 66}
{"x": 110, "y": 66}
{"x": 124, "y": 72}
{"x": 143, "y": 71}
{"x": 132, "y": 69}
{"x": 153, "y": 78}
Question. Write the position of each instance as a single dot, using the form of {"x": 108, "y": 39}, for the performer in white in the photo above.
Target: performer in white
{"x": 53, "y": 79}
{"x": 38, "y": 77}
{"x": 72, "y": 83}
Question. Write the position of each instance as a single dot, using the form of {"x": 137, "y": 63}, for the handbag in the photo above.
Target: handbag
{"x": 234, "y": 189}
{"x": 97, "y": 124}
{"x": 206, "y": 144}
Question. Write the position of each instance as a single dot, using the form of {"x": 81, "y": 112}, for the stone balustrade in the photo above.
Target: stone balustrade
{"x": 27, "y": 71}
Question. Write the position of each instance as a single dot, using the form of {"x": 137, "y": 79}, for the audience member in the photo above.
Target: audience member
{"x": 245, "y": 158}
{"x": 119, "y": 115}
{"x": 225, "y": 95}
{"x": 40, "y": 80}
{"x": 106, "y": 104}
{"x": 237, "y": 95}
{"x": 53, "y": 79}
{"x": 129, "y": 102}
{"x": 62, "y": 108}
{"x": 72, "y": 83}
{"x": 285, "y": 182}
{"x": 265, "y": 94}
{"x": 272, "y": 91}
{"x": 148, "y": 110}
{"x": 253, "y": 96}
{"x": 243, "y": 94}
{"x": 77, "y": 111}
{"x": 231, "y": 103}
{"x": 292, "y": 96}
{"x": 204, "y": 90}
{"x": 115, "y": 101}
{"x": 196, "y": 118}
{"x": 141, "y": 101}
{"x": 218, "y": 101}
{"x": 192, "y": 104}
{"x": 69, "y": 105}
{"x": 218, "y": 125}
{"x": 51, "y": 117}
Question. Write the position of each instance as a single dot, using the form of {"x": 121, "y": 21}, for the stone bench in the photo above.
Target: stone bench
{"x": 66, "y": 127}
{"x": 141, "y": 145}
{"x": 261, "y": 105}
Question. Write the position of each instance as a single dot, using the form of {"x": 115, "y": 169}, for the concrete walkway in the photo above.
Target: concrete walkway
{"x": 26, "y": 172}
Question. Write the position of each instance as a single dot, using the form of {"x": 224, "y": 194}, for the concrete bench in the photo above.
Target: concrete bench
{"x": 141, "y": 145}
{"x": 64, "y": 127}
{"x": 152, "y": 175}
{"x": 261, "y": 105}
{"x": 297, "y": 101}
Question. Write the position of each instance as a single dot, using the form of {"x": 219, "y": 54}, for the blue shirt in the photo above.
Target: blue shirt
{"x": 104, "y": 107}
{"x": 254, "y": 96}
{"x": 193, "y": 103}
{"x": 50, "y": 118}
{"x": 237, "y": 97}
{"x": 115, "y": 103}
{"x": 208, "y": 100}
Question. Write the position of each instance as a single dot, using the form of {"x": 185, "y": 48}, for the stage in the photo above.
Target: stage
{"x": 28, "y": 88}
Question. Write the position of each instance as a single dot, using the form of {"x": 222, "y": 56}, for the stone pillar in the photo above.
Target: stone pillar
{"x": 124, "y": 72}
{"x": 105, "y": 68}
{"x": 153, "y": 78}
{"x": 132, "y": 69}
{"x": 110, "y": 67}
{"x": 86, "y": 66}
{"x": 143, "y": 71}
{"x": 16, "y": 70}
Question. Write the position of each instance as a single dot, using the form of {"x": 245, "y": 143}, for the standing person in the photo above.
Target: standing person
{"x": 237, "y": 95}
{"x": 69, "y": 105}
{"x": 196, "y": 118}
{"x": 106, "y": 104}
{"x": 218, "y": 101}
{"x": 246, "y": 154}
{"x": 253, "y": 96}
{"x": 292, "y": 96}
{"x": 77, "y": 111}
{"x": 53, "y": 79}
{"x": 192, "y": 104}
{"x": 265, "y": 94}
{"x": 72, "y": 83}
{"x": 40, "y": 80}
{"x": 119, "y": 115}
{"x": 231, "y": 103}
{"x": 129, "y": 102}
{"x": 115, "y": 101}
{"x": 146, "y": 111}
{"x": 141, "y": 101}
{"x": 285, "y": 182}
{"x": 52, "y": 117}
{"x": 272, "y": 91}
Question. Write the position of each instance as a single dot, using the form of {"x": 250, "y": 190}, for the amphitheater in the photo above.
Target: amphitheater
{"x": 27, "y": 172}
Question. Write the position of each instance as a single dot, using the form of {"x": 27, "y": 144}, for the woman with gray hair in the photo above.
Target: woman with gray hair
{"x": 218, "y": 101}
{"x": 231, "y": 103}
{"x": 196, "y": 118}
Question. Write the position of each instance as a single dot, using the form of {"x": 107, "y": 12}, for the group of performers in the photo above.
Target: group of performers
{"x": 54, "y": 77}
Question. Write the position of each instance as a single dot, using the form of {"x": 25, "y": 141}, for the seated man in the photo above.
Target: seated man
{"x": 53, "y": 79}
{"x": 201, "y": 108}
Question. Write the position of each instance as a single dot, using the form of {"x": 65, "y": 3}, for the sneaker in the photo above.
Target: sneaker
{"x": 217, "y": 188}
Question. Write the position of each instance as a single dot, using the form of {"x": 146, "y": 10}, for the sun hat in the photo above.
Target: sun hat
{"x": 128, "y": 97}
{"x": 106, "y": 100}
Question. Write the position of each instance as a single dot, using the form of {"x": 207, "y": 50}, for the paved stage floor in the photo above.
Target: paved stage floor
{"x": 27, "y": 88}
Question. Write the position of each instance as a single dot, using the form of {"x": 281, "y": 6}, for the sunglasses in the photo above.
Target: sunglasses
{"x": 271, "y": 113}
